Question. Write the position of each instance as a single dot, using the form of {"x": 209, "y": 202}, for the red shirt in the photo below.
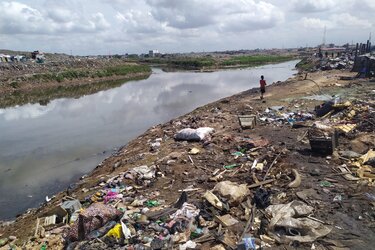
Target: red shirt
{"x": 262, "y": 83}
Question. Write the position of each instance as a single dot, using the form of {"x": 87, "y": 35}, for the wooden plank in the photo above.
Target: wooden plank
{"x": 261, "y": 183}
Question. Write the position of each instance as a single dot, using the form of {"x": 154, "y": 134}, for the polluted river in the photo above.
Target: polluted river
{"x": 43, "y": 149}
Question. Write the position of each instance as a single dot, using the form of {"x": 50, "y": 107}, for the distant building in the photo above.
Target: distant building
{"x": 153, "y": 53}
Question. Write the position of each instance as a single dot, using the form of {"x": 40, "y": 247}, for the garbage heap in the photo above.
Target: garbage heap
{"x": 252, "y": 203}
{"x": 345, "y": 61}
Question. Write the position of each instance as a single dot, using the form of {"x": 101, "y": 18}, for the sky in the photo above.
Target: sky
{"x": 92, "y": 27}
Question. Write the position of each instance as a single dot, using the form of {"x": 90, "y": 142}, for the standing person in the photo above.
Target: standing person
{"x": 263, "y": 84}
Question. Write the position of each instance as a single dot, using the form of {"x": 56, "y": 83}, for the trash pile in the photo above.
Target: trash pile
{"x": 234, "y": 214}
{"x": 345, "y": 61}
{"x": 346, "y": 120}
{"x": 279, "y": 115}
{"x": 233, "y": 190}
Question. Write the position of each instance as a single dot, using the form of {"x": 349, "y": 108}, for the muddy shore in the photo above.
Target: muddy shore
{"x": 352, "y": 220}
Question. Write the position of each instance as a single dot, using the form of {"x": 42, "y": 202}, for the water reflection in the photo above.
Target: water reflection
{"x": 43, "y": 148}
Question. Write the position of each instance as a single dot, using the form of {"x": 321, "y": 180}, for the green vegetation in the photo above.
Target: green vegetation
{"x": 255, "y": 60}
{"x": 71, "y": 74}
{"x": 194, "y": 63}
{"x": 183, "y": 62}
{"x": 209, "y": 62}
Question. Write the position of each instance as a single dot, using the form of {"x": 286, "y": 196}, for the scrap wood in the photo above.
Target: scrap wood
{"x": 331, "y": 180}
{"x": 204, "y": 238}
{"x": 170, "y": 185}
{"x": 228, "y": 240}
{"x": 192, "y": 163}
{"x": 261, "y": 183}
{"x": 37, "y": 227}
{"x": 154, "y": 215}
{"x": 221, "y": 173}
{"x": 227, "y": 220}
{"x": 300, "y": 138}
{"x": 191, "y": 160}
{"x": 249, "y": 222}
{"x": 346, "y": 128}
{"x": 236, "y": 171}
{"x": 273, "y": 163}
{"x": 317, "y": 220}
{"x": 189, "y": 190}
{"x": 255, "y": 179}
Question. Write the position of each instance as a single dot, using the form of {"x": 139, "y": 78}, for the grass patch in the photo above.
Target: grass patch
{"x": 71, "y": 74}
{"x": 208, "y": 62}
{"x": 254, "y": 60}
{"x": 195, "y": 63}
{"x": 183, "y": 62}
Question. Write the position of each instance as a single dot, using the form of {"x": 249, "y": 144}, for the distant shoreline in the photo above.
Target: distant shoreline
{"x": 47, "y": 85}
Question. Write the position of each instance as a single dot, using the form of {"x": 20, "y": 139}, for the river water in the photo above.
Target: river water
{"x": 45, "y": 148}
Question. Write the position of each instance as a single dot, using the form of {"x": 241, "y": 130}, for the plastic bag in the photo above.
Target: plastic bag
{"x": 189, "y": 134}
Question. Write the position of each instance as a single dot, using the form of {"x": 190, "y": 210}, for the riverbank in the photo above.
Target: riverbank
{"x": 30, "y": 82}
{"x": 212, "y": 63}
{"x": 179, "y": 168}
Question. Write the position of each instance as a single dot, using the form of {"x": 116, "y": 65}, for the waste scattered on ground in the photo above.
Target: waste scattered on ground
{"x": 298, "y": 174}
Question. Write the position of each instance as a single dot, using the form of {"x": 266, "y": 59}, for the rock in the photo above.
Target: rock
{"x": 308, "y": 195}
{"x": 349, "y": 154}
{"x": 12, "y": 238}
{"x": 175, "y": 155}
{"x": 315, "y": 172}
{"x": 233, "y": 192}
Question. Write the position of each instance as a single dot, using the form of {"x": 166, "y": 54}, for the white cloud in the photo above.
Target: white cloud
{"x": 345, "y": 20}
{"x": 365, "y": 4}
{"x": 135, "y": 26}
{"x": 306, "y": 6}
{"x": 230, "y": 15}
{"x": 19, "y": 18}
{"x": 316, "y": 23}
{"x": 336, "y": 21}
{"x": 252, "y": 16}
{"x": 135, "y": 21}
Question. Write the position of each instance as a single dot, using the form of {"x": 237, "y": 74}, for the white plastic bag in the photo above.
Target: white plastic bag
{"x": 189, "y": 134}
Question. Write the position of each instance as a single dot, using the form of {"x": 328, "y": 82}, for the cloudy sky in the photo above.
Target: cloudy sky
{"x": 135, "y": 26}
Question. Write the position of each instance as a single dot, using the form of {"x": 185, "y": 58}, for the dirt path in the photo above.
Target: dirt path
{"x": 351, "y": 218}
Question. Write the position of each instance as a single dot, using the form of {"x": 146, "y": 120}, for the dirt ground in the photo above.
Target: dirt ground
{"x": 280, "y": 146}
